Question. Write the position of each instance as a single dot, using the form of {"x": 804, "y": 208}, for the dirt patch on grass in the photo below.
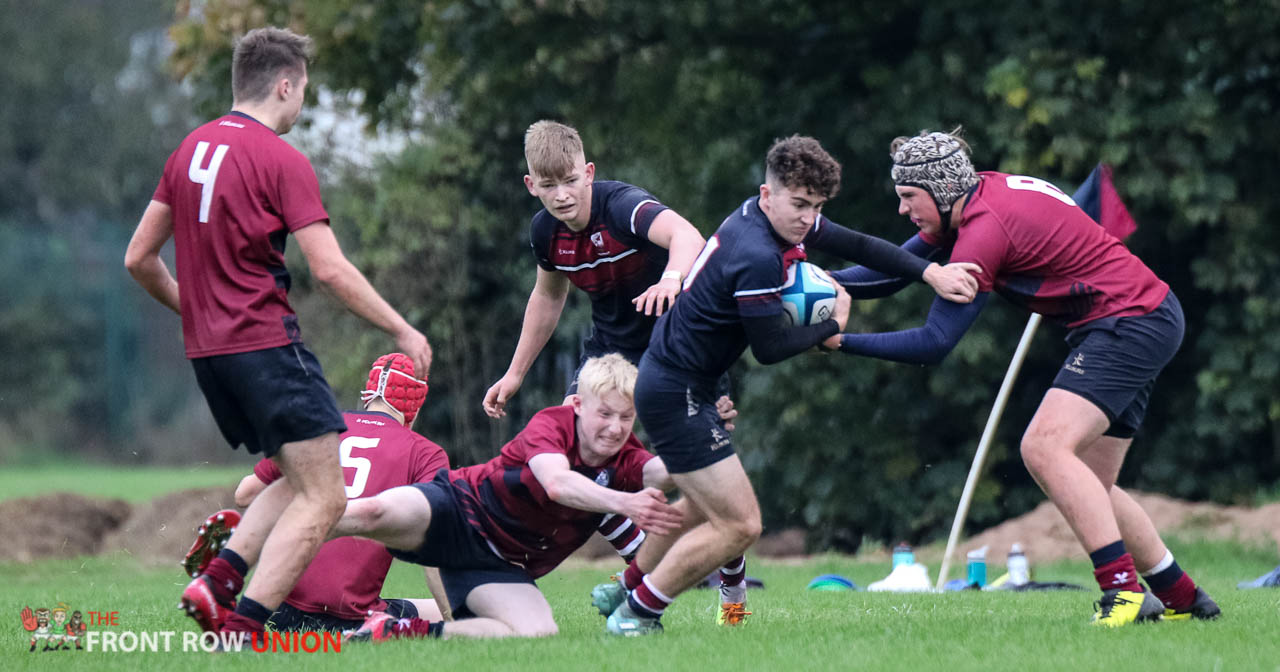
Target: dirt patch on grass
{"x": 57, "y": 525}
{"x": 159, "y": 532}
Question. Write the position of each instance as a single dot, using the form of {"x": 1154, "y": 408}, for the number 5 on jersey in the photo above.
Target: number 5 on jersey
{"x": 205, "y": 177}
{"x": 362, "y": 465}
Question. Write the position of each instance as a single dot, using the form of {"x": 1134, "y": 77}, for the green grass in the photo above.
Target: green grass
{"x": 134, "y": 484}
{"x": 791, "y": 628}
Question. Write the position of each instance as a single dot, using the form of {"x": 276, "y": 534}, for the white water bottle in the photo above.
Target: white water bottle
{"x": 1019, "y": 570}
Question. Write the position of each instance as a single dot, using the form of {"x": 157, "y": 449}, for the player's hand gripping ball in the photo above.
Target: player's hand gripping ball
{"x": 808, "y": 295}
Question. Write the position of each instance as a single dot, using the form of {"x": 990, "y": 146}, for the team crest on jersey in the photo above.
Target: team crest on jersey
{"x": 602, "y": 479}
{"x": 597, "y": 239}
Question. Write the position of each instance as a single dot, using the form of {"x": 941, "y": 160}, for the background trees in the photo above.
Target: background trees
{"x": 684, "y": 98}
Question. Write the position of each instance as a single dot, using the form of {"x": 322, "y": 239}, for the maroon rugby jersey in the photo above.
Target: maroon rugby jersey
{"x": 612, "y": 260}
{"x": 378, "y": 453}
{"x": 1041, "y": 251}
{"x": 236, "y": 190}
{"x": 506, "y": 504}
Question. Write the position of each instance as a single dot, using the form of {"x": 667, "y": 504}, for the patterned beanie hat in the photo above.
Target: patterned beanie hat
{"x": 938, "y": 163}
{"x": 391, "y": 379}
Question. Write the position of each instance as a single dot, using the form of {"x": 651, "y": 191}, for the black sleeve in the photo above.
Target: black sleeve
{"x": 874, "y": 253}
{"x": 540, "y": 230}
{"x": 864, "y": 283}
{"x": 772, "y": 339}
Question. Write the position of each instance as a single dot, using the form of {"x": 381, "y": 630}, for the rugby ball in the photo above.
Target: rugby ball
{"x": 808, "y": 296}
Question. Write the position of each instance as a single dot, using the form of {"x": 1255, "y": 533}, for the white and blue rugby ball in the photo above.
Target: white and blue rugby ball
{"x": 808, "y": 296}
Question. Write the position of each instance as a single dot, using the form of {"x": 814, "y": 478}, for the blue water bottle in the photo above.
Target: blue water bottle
{"x": 902, "y": 555}
{"x": 978, "y": 567}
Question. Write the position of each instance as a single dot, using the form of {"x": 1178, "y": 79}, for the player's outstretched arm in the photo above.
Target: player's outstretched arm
{"x": 541, "y": 316}
{"x": 647, "y": 508}
{"x": 929, "y": 344}
{"x": 683, "y": 243}
{"x": 332, "y": 270}
{"x": 864, "y": 283}
{"x": 142, "y": 258}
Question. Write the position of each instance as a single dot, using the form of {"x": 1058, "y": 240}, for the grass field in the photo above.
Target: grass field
{"x": 134, "y": 484}
{"x": 791, "y": 629}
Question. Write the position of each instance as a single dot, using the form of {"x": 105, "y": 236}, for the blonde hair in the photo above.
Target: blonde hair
{"x": 551, "y": 148}
{"x": 610, "y": 373}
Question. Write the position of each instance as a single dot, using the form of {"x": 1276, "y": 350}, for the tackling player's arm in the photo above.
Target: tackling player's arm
{"x": 683, "y": 243}
{"x": 338, "y": 275}
{"x": 648, "y": 508}
{"x": 953, "y": 282}
{"x": 929, "y": 344}
{"x": 863, "y": 283}
{"x": 142, "y": 258}
{"x": 541, "y": 316}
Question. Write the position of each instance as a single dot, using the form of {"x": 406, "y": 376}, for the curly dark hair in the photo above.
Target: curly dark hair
{"x": 800, "y": 162}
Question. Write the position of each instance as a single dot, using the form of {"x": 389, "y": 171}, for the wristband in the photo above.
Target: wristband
{"x": 673, "y": 274}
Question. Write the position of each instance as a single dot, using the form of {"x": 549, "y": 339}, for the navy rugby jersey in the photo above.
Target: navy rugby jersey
{"x": 739, "y": 274}
{"x": 612, "y": 259}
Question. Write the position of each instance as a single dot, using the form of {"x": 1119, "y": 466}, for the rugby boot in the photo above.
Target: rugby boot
{"x": 200, "y": 604}
{"x": 378, "y": 627}
{"x": 1122, "y": 607}
{"x": 732, "y": 613}
{"x": 381, "y": 626}
{"x": 606, "y": 597}
{"x": 1203, "y": 609}
{"x": 211, "y": 536}
{"x": 627, "y": 623}
{"x": 1269, "y": 580}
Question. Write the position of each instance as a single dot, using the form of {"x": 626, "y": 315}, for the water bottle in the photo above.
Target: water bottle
{"x": 1019, "y": 570}
{"x": 902, "y": 555}
{"x": 978, "y": 567}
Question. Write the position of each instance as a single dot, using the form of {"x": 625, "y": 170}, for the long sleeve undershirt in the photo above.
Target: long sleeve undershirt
{"x": 863, "y": 283}
{"x": 866, "y": 250}
{"x": 929, "y": 344}
{"x": 773, "y": 340}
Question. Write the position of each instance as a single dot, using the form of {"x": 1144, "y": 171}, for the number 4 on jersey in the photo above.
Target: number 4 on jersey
{"x": 205, "y": 177}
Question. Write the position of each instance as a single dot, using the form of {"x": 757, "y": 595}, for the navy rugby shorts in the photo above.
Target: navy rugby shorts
{"x": 678, "y": 411}
{"x": 1114, "y": 362}
{"x": 267, "y": 398}
{"x": 464, "y": 558}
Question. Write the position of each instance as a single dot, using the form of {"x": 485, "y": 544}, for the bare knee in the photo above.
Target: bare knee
{"x": 744, "y": 532}
{"x": 1037, "y": 452}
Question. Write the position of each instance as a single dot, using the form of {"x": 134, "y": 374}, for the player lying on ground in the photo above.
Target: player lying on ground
{"x": 493, "y": 528}
{"x": 343, "y": 584}
{"x": 1041, "y": 251}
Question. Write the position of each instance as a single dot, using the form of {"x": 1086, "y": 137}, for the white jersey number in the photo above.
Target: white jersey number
{"x": 1024, "y": 183}
{"x": 362, "y": 465}
{"x": 205, "y": 177}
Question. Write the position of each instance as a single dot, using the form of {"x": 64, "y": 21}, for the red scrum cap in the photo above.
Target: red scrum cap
{"x": 391, "y": 379}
